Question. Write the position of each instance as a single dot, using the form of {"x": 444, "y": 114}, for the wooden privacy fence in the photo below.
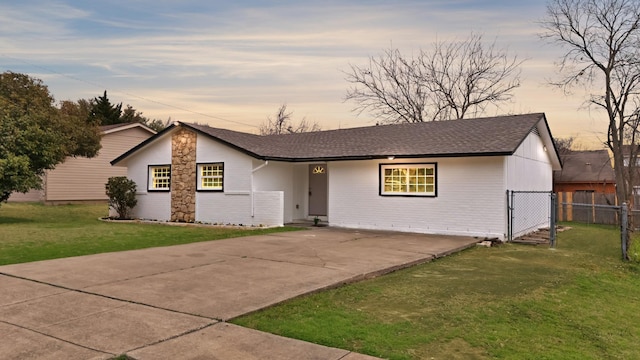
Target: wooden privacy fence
{"x": 587, "y": 207}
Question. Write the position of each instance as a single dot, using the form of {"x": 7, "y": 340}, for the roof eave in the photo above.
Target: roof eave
{"x": 232, "y": 145}
{"x": 141, "y": 145}
{"x": 129, "y": 126}
{"x": 378, "y": 157}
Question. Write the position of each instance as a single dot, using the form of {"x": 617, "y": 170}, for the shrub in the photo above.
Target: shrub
{"x": 122, "y": 195}
{"x": 634, "y": 251}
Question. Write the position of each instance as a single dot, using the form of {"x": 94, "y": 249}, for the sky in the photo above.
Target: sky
{"x": 231, "y": 64}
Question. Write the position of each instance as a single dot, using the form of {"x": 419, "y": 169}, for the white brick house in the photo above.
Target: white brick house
{"x": 447, "y": 177}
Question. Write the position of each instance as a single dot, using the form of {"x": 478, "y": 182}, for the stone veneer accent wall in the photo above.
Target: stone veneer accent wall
{"x": 183, "y": 176}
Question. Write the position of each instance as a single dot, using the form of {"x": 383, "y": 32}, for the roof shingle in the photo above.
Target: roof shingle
{"x": 591, "y": 166}
{"x": 467, "y": 137}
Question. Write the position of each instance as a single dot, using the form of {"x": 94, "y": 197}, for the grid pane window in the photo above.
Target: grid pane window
{"x": 210, "y": 176}
{"x": 408, "y": 179}
{"x": 160, "y": 177}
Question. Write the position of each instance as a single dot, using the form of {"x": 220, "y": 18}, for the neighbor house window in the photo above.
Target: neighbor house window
{"x": 159, "y": 178}
{"x": 408, "y": 179}
{"x": 211, "y": 177}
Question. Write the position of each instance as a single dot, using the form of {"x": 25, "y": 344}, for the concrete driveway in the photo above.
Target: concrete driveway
{"x": 173, "y": 302}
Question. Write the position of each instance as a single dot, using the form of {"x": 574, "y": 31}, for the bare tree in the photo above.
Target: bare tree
{"x": 283, "y": 124}
{"x": 602, "y": 43}
{"x": 564, "y": 145}
{"x": 451, "y": 81}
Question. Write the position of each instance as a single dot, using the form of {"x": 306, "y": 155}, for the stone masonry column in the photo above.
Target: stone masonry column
{"x": 183, "y": 176}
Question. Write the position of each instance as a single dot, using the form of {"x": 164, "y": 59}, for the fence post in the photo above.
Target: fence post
{"x": 552, "y": 222}
{"x": 510, "y": 197}
{"x": 624, "y": 222}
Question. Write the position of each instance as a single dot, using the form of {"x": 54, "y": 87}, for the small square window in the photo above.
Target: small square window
{"x": 159, "y": 178}
{"x": 211, "y": 177}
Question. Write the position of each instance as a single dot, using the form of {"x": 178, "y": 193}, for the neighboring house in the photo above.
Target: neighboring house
{"x": 445, "y": 177}
{"x": 80, "y": 179}
{"x": 586, "y": 171}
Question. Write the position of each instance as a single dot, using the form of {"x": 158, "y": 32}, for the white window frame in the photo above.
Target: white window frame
{"x": 153, "y": 184}
{"x": 200, "y": 186}
{"x": 404, "y": 185}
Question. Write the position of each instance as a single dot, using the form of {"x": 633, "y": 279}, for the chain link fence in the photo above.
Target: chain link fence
{"x": 530, "y": 212}
{"x": 590, "y": 213}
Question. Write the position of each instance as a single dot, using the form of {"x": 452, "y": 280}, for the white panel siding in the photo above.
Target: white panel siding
{"x": 154, "y": 205}
{"x": 529, "y": 168}
{"x": 470, "y": 198}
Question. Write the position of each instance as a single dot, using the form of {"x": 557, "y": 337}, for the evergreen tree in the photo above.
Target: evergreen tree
{"x": 105, "y": 113}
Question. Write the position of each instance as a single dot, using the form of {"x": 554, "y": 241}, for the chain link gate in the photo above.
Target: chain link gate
{"x": 529, "y": 212}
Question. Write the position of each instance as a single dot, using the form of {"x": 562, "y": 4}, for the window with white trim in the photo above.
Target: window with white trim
{"x": 408, "y": 179}
{"x": 210, "y": 177}
{"x": 159, "y": 178}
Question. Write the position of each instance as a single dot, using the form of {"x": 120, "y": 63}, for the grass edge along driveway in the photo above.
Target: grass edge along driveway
{"x": 33, "y": 232}
{"x": 508, "y": 302}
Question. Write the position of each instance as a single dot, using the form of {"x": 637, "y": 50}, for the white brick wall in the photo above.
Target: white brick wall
{"x": 268, "y": 208}
{"x": 470, "y": 201}
{"x": 277, "y": 176}
{"x": 224, "y": 208}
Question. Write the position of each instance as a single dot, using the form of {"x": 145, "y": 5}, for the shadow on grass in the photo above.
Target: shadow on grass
{"x": 13, "y": 220}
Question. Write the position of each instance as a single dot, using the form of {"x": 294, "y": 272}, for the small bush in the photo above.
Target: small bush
{"x": 634, "y": 251}
{"x": 122, "y": 195}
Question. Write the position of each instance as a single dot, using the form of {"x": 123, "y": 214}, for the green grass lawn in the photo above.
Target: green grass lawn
{"x": 31, "y": 232}
{"x": 508, "y": 302}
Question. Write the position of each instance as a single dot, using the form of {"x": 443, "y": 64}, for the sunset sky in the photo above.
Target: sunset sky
{"x": 231, "y": 64}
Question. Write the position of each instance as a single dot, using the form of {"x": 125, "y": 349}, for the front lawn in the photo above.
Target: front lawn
{"x": 508, "y": 302}
{"x": 31, "y": 232}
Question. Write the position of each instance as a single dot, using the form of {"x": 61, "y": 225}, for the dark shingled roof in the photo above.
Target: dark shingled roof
{"x": 593, "y": 166}
{"x": 468, "y": 137}
{"x": 500, "y": 135}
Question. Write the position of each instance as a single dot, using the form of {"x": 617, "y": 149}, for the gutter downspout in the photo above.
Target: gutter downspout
{"x": 266, "y": 162}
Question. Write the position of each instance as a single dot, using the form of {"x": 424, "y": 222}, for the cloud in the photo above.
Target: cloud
{"x": 241, "y": 59}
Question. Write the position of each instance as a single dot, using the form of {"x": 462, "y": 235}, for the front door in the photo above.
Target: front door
{"x": 318, "y": 190}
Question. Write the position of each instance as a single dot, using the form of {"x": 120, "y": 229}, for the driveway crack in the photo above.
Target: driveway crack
{"x": 56, "y": 338}
{"x": 110, "y": 297}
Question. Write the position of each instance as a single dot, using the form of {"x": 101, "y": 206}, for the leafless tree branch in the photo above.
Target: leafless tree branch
{"x": 283, "y": 124}
{"x": 451, "y": 80}
{"x": 601, "y": 39}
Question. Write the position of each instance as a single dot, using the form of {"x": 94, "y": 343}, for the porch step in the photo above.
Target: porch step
{"x": 540, "y": 237}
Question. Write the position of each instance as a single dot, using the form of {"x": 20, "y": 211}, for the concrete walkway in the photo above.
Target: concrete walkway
{"x": 172, "y": 302}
